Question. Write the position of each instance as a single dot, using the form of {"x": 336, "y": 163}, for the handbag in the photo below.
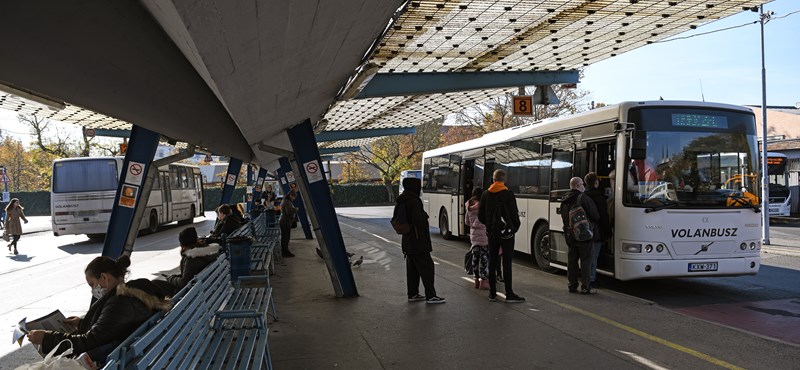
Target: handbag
{"x": 51, "y": 361}
{"x": 6, "y": 237}
{"x": 468, "y": 268}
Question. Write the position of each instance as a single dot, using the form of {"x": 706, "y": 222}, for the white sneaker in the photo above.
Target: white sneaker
{"x": 434, "y": 300}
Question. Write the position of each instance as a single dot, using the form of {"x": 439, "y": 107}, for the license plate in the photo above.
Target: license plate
{"x": 86, "y": 213}
{"x": 705, "y": 266}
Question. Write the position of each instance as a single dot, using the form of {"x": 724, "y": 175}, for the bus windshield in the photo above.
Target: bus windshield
{"x": 695, "y": 158}
{"x": 84, "y": 176}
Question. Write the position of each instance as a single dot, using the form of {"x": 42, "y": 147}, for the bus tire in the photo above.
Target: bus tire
{"x": 444, "y": 225}
{"x": 96, "y": 237}
{"x": 152, "y": 226}
{"x": 540, "y": 246}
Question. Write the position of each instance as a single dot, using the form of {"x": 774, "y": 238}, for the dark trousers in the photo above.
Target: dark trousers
{"x": 579, "y": 251}
{"x": 286, "y": 234}
{"x": 494, "y": 264}
{"x": 14, "y": 240}
{"x": 420, "y": 266}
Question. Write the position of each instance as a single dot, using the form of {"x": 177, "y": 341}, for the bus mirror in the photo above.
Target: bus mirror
{"x": 638, "y": 145}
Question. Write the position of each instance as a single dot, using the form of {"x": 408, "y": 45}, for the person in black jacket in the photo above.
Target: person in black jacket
{"x": 603, "y": 224}
{"x": 579, "y": 250}
{"x": 120, "y": 309}
{"x": 195, "y": 256}
{"x": 226, "y": 222}
{"x": 497, "y": 200}
{"x": 417, "y": 244}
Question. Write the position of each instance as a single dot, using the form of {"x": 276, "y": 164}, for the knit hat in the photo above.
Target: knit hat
{"x": 188, "y": 236}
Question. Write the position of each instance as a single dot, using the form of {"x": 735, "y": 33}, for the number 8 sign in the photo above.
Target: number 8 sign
{"x": 523, "y": 105}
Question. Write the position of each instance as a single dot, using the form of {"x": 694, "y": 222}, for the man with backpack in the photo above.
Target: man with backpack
{"x": 498, "y": 211}
{"x": 411, "y": 221}
{"x": 580, "y": 217}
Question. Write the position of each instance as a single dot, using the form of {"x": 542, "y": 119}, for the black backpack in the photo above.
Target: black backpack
{"x": 579, "y": 225}
{"x": 400, "y": 222}
{"x": 502, "y": 225}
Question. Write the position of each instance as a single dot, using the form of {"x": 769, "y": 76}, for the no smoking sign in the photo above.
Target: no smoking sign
{"x": 313, "y": 171}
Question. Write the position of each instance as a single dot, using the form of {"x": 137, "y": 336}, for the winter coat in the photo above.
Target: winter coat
{"x": 110, "y": 319}
{"x": 193, "y": 261}
{"x": 591, "y": 212}
{"x": 477, "y": 230}
{"x": 498, "y": 194}
{"x": 418, "y": 241}
{"x": 288, "y": 211}
{"x": 13, "y": 215}
{"x": 601, "y": 202}
{"x": 226, "y": 226}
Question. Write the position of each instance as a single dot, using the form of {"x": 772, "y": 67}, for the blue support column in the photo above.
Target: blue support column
{"x": 251, "y": 181}
{"x": 138, "y": 158}
{"x": 299, "y": 201}
{"x": 307, "y": 157}
{"x": 258, "y": 188}
{"x": 234, "y": 167}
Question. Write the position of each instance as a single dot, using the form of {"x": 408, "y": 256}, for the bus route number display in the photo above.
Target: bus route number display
{"x": 699, "y": 120}
{"x": 523, "y": 105}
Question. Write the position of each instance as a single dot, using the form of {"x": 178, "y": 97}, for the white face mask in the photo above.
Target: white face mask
{"x": 98, "y": 291}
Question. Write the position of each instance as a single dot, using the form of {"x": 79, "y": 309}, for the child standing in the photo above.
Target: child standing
{"x": 478, "y": 239}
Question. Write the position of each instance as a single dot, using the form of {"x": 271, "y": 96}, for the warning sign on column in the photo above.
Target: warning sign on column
{"x": 313, "y": 171}
{"x": 128, "y": 196}
{"x": 135, "y": 173}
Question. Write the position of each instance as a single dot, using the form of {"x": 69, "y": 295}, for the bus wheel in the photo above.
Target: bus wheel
{"x": 96, "y": 237}
{"x": 153, "y": 226}
{"x": 444, "y": 225}
{"x": 541, "y": 249}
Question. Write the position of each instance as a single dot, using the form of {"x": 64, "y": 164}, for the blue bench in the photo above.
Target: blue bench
{"x": 214, "y": 323}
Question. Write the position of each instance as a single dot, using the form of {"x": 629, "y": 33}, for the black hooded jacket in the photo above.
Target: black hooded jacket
{"x": 419, "y": 239}
{"x": 588, "y": 206}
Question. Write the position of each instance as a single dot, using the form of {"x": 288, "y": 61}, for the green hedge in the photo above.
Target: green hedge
{"x": 37, "y": 203}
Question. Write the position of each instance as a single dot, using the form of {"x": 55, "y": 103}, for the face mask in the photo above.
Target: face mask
{"x": 98, "y": 291}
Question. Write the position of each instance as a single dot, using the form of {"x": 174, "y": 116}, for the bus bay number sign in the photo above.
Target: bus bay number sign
{"x": 523, "y": 105}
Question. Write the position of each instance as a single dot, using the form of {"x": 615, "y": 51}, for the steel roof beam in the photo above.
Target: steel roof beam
{"x": 403, "y": 84}
{"x": 346, "y": 149}
{"x": 361, "y": 134}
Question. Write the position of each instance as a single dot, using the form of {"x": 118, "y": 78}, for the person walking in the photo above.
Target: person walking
{"x": 498, "y": 211}
{"x": 288, "y": 213}
{"x": 14, "y": 213}
{"x": 579, "y": 250}
{"x": 478, "y": 239}
{"x": 592, "y": 182}
{"x": 416, "y": 244}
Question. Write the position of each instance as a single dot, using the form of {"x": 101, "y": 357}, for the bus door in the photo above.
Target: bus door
{"x": 166, "y": 197}
{"x": 198, "y": 181}
{"x": 560, "y": 173}
{"x": 601, "y": 159}
{"x": 465, "y": 185}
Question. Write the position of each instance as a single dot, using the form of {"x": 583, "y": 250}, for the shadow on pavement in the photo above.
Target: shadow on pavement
{"x": 21, "y": 258}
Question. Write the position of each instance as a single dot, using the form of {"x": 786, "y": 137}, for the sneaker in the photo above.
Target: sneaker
{"x": 288, "y": 254}
{"x": 514, "y": 299}
{"x": 416, "y": 298}
{"x": 492, "y": 298}
{"x": 572, "y": 288}
{"x": 588, "y": 291}
{"x": 434, "y": 300}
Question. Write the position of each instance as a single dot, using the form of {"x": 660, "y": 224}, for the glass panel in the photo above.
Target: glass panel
{"x": 85, "y": 175}
{"x": 695, "y": 158}
{"x": 528, "y": 168}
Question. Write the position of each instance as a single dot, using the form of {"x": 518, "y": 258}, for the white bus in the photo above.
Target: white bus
{"x": 676, "y": 217}
{"x": 780, "y": 200}
{"x": 83, "y": 189}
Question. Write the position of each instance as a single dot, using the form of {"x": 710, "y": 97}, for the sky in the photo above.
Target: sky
{"x": 727, "y": 64}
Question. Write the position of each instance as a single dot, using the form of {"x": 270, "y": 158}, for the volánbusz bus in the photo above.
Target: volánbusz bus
{"x": 780, "y": 199}
{"x": 83, "y": 190}
{"x": 672, "y": 212}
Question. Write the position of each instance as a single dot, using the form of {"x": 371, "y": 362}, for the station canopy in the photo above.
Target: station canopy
{"x": 347, "y": 66}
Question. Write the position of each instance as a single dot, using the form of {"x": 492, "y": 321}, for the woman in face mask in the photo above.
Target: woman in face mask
{"x": 119, "y": 309}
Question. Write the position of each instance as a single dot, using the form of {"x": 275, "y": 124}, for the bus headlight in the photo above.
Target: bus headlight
{"x": 631, "y": 248}
{"x": 660, "y": 248}
{"x": 648, "y": 248}
{"x": 752, "y": 246}
{"x": 743, "y": 246}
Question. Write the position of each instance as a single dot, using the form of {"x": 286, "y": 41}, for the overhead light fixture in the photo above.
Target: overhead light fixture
{"x": 33, "y": 99}
{"x": 361, "y": 80}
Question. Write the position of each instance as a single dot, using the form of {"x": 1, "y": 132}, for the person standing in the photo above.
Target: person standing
{"x": 478, "y": 239}
{"x": 14, "y": 213}
{"x": 579, "y": 250}
{"x": 603, "y": 224}
{"x": 288, "y": 213}
{"x": 497, "y": 202}
{"x": 416, "y": 244}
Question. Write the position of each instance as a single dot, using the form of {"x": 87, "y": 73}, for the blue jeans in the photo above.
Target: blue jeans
{"x": 596, "y": 246}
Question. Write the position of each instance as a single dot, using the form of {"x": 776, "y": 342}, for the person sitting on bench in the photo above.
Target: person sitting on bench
{"x": 195, "y": 256}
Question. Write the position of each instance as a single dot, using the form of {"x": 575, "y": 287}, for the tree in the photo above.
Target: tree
{"x": 27, "y": 170}
{"x": 392, "y": 155}
{"x": 58, "y": 142}
{"x": 353, "y": 170}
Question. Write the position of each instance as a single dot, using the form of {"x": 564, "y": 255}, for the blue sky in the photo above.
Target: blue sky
{"x": 727, "y": 62}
